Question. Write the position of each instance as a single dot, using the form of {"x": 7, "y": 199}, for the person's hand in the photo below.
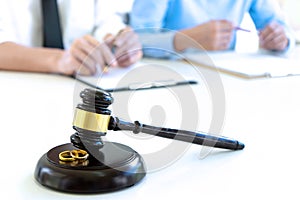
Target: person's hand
{"x": 67, "y": 64}
{"x": 127, "y": 48}
{"x": 273, "y": 37}
{"x": 212, "y": 35}
{"x": 86, "y": 56}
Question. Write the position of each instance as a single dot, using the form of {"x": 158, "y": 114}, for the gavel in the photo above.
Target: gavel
{"x": 90, "y": 165}
{"x": 92, "y": 119}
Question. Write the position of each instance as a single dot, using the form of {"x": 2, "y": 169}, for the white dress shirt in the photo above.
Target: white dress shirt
{"x": 21, "y": 20}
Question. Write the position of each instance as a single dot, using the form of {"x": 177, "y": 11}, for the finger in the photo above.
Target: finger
{"x": 83, "y": 58}
{"x": 276, "y": 38}
{"x": 90, "y": 46}
{"x": 281, "y": 43}
{"x": 99, "y": 53}
{"x": 82, "y": 70}
{"x": 91, "y": 40}
{"x": 127, "y": 56}
{"x": 129, "y": 53}
{"x": 108, "y": 57}
{"x": 226, "y": 26}
{"x": 130, "y": 58}
{"x": 109, "y": 39}
{"x": 102, "y": 53}
{"x": 223, "y": 43}
{"x": 130, "y": 42}
{"x": 123, "y": 36}
{"x": 269, "y": 29}
{"x": 272, "y": 33}
{"x": 264, "y": 32}
{"x": 78, "y": 67}
{"x": 81, "y": 55}
{"x": 224, "y": 40}
{"x": 278, "y": 43}
{"x": 68, "y": 64}
{"x": 225, "y": 36}
{"x": 217, "y": 47}
{"x": 127, "y": 47}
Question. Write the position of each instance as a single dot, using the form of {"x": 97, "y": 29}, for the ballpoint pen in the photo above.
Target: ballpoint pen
{"x": 241, "y": 29}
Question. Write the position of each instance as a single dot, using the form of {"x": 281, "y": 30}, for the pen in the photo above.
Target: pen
{"x": 140, "y": 86}
{"x": 152, "y": 85}
{"x": 241, "y": 29}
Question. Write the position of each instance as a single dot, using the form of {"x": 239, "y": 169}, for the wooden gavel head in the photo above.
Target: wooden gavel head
{"x": 91, "y": 118}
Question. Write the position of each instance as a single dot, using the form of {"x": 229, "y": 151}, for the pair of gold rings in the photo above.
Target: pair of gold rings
{"x": 73, "y": 155}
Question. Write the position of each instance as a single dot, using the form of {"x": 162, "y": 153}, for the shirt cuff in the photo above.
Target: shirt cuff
{"x": 158, "y": 45}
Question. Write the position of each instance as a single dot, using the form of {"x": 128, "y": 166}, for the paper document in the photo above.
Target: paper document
{"x": 135, "y": 77}
{"x": 248, "y": 65}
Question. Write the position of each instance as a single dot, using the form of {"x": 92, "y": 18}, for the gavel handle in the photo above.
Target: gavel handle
{"x": 182, "y": 135}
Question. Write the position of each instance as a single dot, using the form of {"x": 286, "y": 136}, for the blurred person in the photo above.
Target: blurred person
{"x": 93, "y": 36}
{"x": 178, "y": 25}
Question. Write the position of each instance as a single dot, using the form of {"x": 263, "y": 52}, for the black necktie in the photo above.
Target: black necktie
{"x": 51, "y": 25}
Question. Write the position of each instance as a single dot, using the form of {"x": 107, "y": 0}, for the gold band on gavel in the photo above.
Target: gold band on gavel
{"x": 91, "y": 121}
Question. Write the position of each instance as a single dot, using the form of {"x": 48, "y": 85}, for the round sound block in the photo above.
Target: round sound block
{"x": 115, "y": 167}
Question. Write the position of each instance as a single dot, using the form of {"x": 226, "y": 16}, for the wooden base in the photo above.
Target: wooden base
{"x": 117, "y": 167}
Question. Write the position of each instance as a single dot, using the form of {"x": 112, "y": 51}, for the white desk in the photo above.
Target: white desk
{"x": 37, "y": 112}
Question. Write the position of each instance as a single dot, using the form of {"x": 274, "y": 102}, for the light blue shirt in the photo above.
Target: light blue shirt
{"x": 164, "y": 17}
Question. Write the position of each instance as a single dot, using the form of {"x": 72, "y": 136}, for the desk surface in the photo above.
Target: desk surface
{"x": 37, "y": 112}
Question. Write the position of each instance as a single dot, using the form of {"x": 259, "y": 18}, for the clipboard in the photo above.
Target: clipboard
{"x": 247, "y": 65}
{"x": 140, "y": 76}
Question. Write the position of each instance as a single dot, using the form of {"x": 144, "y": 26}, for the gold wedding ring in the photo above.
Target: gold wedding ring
{"x": 79, "y": 154}
{"x": 66, "y": 156}
{"x": 73, "y": 155}
{"x": 91, "y": 121}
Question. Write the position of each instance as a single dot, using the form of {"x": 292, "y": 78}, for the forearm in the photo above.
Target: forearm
{"x": 20, "y": 58}
{"x": 183, "y": 41}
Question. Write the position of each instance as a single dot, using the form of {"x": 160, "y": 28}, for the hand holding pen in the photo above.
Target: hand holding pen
{"x": 212, "y": 35}
{"x": 87, "y": 56}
